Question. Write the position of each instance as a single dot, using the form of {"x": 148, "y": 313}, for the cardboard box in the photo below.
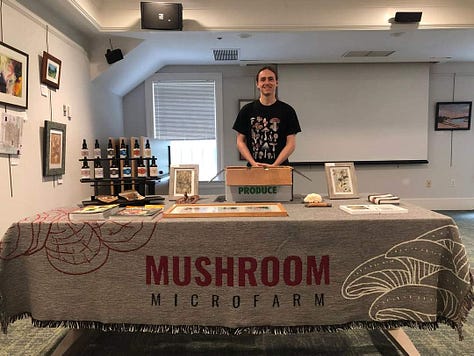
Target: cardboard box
{"x": 244, "y": 184}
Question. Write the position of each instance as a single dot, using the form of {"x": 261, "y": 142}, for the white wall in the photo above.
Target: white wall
{"x": 408, "y": 181}
{"x": 96, "y": 113}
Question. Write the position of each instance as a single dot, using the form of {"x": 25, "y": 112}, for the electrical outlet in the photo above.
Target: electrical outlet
{"x": 428, "y": 183}
{"x": 452, "y": 183}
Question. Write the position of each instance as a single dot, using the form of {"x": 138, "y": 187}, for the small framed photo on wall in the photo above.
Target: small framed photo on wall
{"x": 453, "y": 115}
{"x": 54, "y": 148}
{"x": 50, "y": 70}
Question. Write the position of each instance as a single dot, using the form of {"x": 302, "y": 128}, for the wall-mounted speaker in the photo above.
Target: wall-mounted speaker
{"x": 407, "y": 17}
{"x": 113, "y": 55}
{"x": 161, "y": 16}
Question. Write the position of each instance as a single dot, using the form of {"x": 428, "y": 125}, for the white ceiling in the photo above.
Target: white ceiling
{"x": 268, "y": 31}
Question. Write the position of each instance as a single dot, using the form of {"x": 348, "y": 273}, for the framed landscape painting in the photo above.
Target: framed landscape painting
{"x": 453, "y": 115}
{"x": 50, "y": 70}
{"x": 13, "y": 76}
{"x": 341, "y": 180}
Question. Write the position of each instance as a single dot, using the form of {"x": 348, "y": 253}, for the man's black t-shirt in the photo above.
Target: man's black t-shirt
{"x": 266, "y": 128}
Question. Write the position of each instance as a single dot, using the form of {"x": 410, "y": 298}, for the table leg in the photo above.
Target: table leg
{"x": 73, "y": 342}
{"x": 401, "y": 341}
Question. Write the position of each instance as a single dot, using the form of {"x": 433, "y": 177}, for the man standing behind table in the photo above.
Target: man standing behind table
{"x": 267, "y": 127}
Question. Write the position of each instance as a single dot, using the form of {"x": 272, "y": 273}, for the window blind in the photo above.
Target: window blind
{"x": 184, "y": 110}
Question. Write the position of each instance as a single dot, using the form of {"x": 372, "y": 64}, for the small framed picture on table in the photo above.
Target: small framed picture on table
{"x": 341, "y": 180}
{"x": 184, "y": 180}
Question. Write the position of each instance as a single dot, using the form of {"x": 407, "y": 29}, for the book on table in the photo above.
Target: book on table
{"x": 93, "y": 212}
{"x": 358, "y": 209}
{"x": 147, "y": 212}
{"x": 386, "y": 198}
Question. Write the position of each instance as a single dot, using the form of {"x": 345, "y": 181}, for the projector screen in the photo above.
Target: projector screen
{"x": 368, "y": 112}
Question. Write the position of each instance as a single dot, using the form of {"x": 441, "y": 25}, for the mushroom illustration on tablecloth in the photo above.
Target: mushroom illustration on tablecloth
{"x": 418, "y": 273}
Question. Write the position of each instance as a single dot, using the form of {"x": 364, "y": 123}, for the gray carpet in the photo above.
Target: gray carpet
{"x": 22, "y": 339}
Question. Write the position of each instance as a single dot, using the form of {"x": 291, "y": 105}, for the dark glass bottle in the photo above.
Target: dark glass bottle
{"x": 123, "y": 150}
{"x": 85, "y": 170}
{"x": 136, "y": 150}
{"x": 126, "y": 170}
{"x": 110, "y": 150}
{"x": 97, "y": 149}
{"x": 114, "y": 169}
{"x": 98, "y": 170}
{"x": 147, "y": 150}
{"x": 153, "y": 168}
{"x": 84, "y": 150}
{"x": 141, "y": 169}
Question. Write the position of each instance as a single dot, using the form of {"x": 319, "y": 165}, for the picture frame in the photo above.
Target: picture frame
{"x": 225, "y": 210}
{"x": 341, "y": 180}
{"x": 451, "y": 116}
{"x": 242, "y": 103}
{"x": 54, "y": 148}
{"x": 50, "y": 70}
{"x": 14, "y": 72}
{"x": 184, "y": 179}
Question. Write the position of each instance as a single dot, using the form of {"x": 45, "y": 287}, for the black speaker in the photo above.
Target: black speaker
{"x": 407, "y": 17}
{"x": 161, "y": 16}
{"x": 113, "y": 55}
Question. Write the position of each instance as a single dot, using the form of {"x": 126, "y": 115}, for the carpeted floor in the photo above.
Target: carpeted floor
{"x": 23, "y": 339}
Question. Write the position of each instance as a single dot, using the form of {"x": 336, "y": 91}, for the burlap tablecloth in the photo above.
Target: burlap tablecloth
{"x": 316, "y": 269}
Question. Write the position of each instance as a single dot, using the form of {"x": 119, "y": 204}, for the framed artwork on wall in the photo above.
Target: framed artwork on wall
{"x": 50, "y": 70}
{"x": 184, "y": 180}
{"x": 341, "y": 180}
{"x": 13, "y": 76}
{"x": 453, "y": 115}
{"x": 54, "y": 148}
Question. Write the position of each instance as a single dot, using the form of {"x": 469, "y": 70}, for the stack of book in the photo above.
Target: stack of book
{"x": 384, "y": 199}
{"x": 93, "y": 212}
{"x": 358, "y": 209}
{"x": 147, "y": 212}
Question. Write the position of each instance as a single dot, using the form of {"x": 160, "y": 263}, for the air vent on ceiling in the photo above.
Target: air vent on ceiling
{"x": 226, "y": 54}
{"x": 368, "y": 53}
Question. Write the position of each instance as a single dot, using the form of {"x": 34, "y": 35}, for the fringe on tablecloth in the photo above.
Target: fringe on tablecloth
{"x": 222, "y": 330}
{"x": 466, "y": 306}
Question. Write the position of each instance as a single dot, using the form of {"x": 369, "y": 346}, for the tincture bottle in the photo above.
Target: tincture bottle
{"x": 110, "y": 150}
{"x": 85, "y": 170}
{"x": 141, "y": 169}
{"x": 126, "y": 170}
{"x": 84, "y": 150}
{"x": 147, "y": 150}
{"x": 123, "y": 150}
{"x": 98, "y": 170}
{"x": 153, "y": 168}
{"x": 97, "y": 149}
{"x": 114, "y": 169}
{"x": 136, "y": 150}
